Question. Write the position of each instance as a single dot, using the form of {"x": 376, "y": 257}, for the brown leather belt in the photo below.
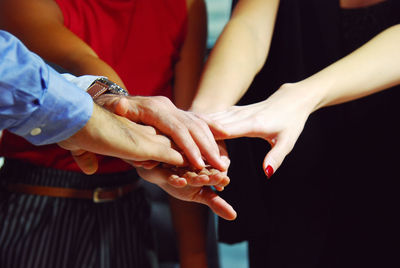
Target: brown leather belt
{"x": 98, "y": 195}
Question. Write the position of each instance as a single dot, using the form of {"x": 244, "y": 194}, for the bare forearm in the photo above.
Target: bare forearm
{"x": 238, "y": 55}
{"x": 90, "y": 64}
{"x": 190, "y": 65}
{"x": 191, "y": 232}
{"x": 372, "y": 68}
{"x": 228, "y": 73}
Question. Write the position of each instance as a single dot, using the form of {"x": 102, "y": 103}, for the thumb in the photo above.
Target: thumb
{"x": 275, "y": 157}
{"x": 218, "y": 205}
{"x": 120, "y": 107}
{"x": 87, "y": 161}
{"x": 113, "y": 103}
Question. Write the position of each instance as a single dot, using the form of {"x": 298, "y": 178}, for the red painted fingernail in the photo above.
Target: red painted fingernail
{"x": 269, "y": 171}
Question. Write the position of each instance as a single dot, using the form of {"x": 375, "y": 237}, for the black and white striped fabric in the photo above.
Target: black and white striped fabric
{"x": 42, "y": 231}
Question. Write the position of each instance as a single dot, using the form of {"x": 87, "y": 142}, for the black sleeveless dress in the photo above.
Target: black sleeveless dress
{"x": 334, "y": 201}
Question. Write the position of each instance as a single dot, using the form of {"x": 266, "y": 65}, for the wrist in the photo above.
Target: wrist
{"x": 199, "y": 107}
{"x": 207, "y": 107}
{"x": 305, "y": 94}
{"x": 318, "y": 88}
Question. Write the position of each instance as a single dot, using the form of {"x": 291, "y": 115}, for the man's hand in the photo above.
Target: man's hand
{"x": 191, "y": 134}
{"x": 199, "y": 194}
{"x": 109, "y": 134}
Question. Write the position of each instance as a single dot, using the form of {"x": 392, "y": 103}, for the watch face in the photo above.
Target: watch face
{"x": 113, "y": 87}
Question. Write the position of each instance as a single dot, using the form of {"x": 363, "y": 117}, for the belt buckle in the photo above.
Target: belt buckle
{"x": 99, "y": 190}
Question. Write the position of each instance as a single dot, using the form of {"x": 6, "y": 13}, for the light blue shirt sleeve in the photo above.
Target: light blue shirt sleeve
{"x": 83, "y": 82}
{"x": 36, "y": 102}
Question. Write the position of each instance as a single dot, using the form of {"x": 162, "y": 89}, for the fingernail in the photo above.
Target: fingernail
{"x": 225, "y": 161}
{"x": 269, "y": 171}
{"x": 201, "y": 162}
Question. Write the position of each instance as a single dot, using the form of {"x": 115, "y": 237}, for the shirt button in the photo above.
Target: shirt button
{"x": 36, "y": 131}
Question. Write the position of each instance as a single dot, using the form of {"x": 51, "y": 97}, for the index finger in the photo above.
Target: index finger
{"x": 165, "y": 154}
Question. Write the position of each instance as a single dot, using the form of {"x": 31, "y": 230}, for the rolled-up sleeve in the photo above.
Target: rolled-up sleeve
{"x": 36, "y": 102}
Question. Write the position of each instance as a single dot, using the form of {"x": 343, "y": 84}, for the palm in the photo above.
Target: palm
{"x": 199, "y": 194}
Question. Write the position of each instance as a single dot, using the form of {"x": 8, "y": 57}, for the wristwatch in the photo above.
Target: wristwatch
{"x": 102, "y": 85}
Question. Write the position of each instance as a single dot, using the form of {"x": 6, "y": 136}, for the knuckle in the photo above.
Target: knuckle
{"x": 191, "y": 121}
{"x": 204, "y": 126}
{"x": 150, "y": 103}
{"x": 163, "y": 99}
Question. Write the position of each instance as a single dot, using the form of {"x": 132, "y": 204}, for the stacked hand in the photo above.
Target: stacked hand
{"x": 200, "y": 194}
{"x": 190, "y": 133}
{"x": 110, "y": 134}
{"x": 190, "y": 184}
{"x": 145, "y": 148}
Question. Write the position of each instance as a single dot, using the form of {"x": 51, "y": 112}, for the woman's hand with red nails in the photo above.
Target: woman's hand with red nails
{"x": 279, "y": 119}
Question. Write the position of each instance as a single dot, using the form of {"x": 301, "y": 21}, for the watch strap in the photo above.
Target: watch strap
{"x": 96, "y": 89}
{"x": 103, "y": 85}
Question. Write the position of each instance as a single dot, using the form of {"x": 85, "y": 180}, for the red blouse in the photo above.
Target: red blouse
{"x": 140, "y": 39}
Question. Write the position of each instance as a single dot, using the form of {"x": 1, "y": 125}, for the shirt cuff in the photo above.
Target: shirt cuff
{"x": 83, "y": 82}
{"x": 64, "y": 109}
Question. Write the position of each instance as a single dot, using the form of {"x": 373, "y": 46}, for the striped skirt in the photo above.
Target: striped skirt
{"x": 42, "y": 231}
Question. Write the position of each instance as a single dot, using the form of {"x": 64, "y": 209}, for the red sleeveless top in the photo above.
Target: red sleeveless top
{"x": 140, "y": 39}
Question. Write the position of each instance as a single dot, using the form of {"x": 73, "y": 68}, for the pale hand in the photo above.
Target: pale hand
{"x": 279, "y": 119}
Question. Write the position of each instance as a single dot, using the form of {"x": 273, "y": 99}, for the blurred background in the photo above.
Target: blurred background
{"x": 218, "y": 14}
